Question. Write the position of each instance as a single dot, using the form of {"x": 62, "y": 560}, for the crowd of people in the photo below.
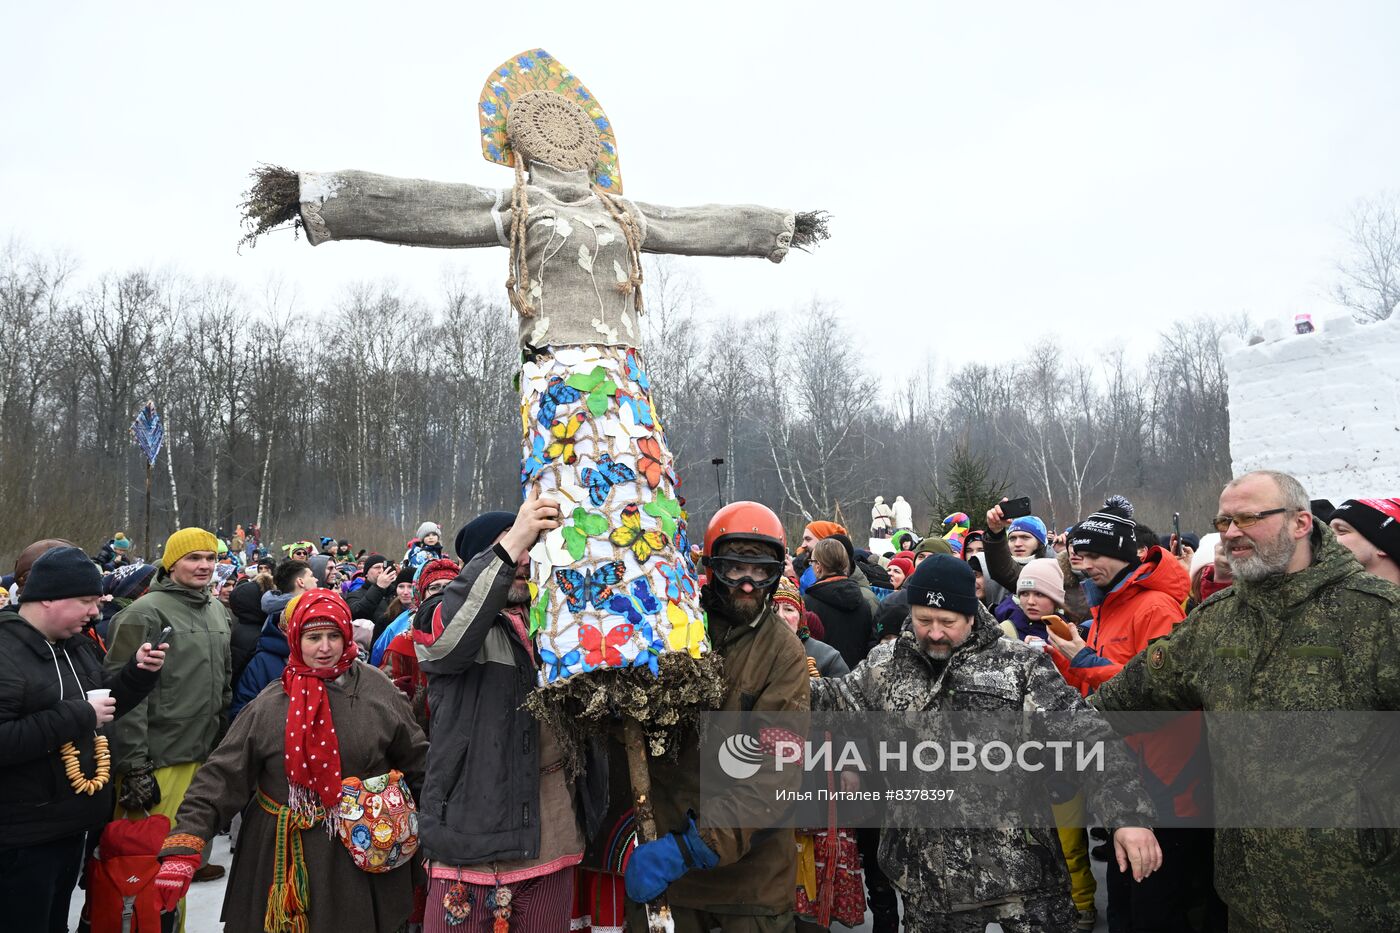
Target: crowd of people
{"x": 358, "y": 725}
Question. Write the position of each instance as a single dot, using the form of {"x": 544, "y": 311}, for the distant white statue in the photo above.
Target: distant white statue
{"x": 903, "y": 514}
{"x": 881, "y": 519}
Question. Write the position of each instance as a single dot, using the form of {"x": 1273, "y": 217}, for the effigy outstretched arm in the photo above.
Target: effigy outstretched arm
{"x": 354, "y": 205}
{"x": 729, "y": 230}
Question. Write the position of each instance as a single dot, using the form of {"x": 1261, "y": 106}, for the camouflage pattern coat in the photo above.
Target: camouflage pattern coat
{"x": 952, "y": 870}
{"x": 1326, "y": 638}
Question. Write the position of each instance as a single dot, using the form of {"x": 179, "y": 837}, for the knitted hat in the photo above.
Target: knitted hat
{"x": 306, "y": 546}
{"x": 904, "y": 564}
{"x": 374, "y": 559}
{"x": 1110, "y": 532}
{"x": 788, "y": 593}
{"x": 943, "y": 582}
{"x": 480, "y": 533}
{"x": 186, "y": 541}
{"x": 1376, "y": 520}
{"x": 1043, "y": 576}
{"x": 428, "y": 528}
{"x": 1031, "y": 525}
{"x": 821, "y": 530}
{"x": 958, "y": 525}
{"x": 1205, "y": 554}
{"x": 933, "y": 545}
{"x": 433, "y": 571}
{"x": 128, "y": 582}
{"x": 120, "y": 543}
{"x": 62, "y": 573}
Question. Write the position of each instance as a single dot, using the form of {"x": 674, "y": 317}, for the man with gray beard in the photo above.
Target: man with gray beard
{"x": 1303, "y": 628}
{"x": 501, "y": 821}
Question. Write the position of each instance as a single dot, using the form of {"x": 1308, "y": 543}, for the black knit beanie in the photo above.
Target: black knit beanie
{"x": 480, "y": 533}
{"x": 62, "y": 573}
{"x": 1109, "y": 532}
{"x": 943, "y": 582}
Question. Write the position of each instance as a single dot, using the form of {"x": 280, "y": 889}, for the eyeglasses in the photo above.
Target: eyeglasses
{"x": 1244, "y": 520}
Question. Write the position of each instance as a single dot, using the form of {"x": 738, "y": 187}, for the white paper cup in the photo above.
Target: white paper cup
{"x": 98, "y": 694}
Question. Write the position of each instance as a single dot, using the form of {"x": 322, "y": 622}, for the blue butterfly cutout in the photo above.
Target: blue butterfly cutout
{"x": 682, "y": 540}
{"x": 636, "y": 373}
{"x": 590, "y": 587}
{"x": 555, "y": 394}
{"x": 636, "y": 606}
{"x": 536, "y": 461}
{"x": 677, "y": 581}
{"x": 641, "y": 409}
{"x": 557, "y": 667}
{"x": 600, "y": 481}
{"x": 651, "y": 648}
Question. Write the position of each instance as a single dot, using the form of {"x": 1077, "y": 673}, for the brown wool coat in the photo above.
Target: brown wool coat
{"x": 377, "y": 733}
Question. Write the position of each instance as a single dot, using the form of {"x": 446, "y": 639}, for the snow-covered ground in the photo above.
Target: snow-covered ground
{"x": 206, "y": 899}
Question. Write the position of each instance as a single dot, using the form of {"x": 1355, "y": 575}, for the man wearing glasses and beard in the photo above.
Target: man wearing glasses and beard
{"x": 1302, "y": 628}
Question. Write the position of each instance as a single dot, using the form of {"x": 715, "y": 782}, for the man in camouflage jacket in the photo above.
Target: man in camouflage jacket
{"x": 1303, "y": 628}
{"x": 952, "y": 658}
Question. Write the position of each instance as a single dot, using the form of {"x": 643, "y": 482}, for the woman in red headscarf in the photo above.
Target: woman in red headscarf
{"x": 331, "y": 726}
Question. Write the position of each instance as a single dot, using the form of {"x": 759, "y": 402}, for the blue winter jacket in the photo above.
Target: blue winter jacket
{"x": 266, "y": 666}
{"x": 391, "y": 631}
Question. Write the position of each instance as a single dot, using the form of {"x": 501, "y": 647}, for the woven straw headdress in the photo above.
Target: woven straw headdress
{"x": 534, "y": 103}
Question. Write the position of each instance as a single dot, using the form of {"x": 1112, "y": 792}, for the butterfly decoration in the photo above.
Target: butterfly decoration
{"x": 635, "y": 371}
{"x": 679, "y": 584}
{"x": 651, "y": 648}
{"x": 582, "y": 588}
{"x": 600, "y": 481}
{"x": 649, "y": 462}
{"x": 636, "y": 605}
{"x": 556, "y": 666}
{"x": 686, "y": 634}
{"x": 599, "y": 649}
{"x": 535, "y": 461}
{"x": 555, "y": 394}
{"x": 551, "y": 551}
{"x": 539, "y": 613}
{"x": 563, "y": 433}
{"x": 638, "y": 408}
{"x": 597, "y": 386}
{"x": 631, "y": 535}
{"x": 682, "y": 540}
{"x": 585, "y": 525}
{"x": 667, "y": 511}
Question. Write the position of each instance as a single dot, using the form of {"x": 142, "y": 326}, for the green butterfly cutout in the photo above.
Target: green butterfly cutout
{"x": 597, "y": 386}
{"x": 586, "y": 525}
{"x": 538, "y": 612}
{"x": 665, "y": 510}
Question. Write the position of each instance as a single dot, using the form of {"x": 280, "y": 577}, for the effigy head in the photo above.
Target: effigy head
{"x": 534, "y": 106}
{"x": 545, "y": 127}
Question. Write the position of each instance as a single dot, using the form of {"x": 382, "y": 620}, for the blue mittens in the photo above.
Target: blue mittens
{"x": 654, "y": 865}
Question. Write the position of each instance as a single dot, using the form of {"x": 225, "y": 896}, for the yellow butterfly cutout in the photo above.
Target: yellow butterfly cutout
{"x": 686, "y": 634}
{"x": 563, "y": 443}
{"x": 630, "y": 535}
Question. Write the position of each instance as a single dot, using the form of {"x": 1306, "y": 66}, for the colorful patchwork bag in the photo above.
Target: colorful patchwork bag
{"x": 378, "y": 822}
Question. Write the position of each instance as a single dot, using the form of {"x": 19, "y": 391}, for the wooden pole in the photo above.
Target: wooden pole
{"x": 658, "y": 911}
{"x": 150, "y": 552}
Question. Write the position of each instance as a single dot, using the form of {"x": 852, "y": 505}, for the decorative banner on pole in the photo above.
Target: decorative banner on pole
{"x": 148, "y": 432}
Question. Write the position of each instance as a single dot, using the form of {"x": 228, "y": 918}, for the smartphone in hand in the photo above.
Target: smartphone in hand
{"x": 164, "y": 636}
{"x": 1016, "y": 508}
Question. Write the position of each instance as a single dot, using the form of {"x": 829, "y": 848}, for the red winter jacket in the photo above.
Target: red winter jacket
{"x": 1146, "y": 605}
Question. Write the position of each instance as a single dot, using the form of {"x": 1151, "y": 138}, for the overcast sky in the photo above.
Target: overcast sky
{"x": 996, "y": 172}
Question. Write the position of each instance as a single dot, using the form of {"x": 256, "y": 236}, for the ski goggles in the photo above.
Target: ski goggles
{"x": 734, "y": 571}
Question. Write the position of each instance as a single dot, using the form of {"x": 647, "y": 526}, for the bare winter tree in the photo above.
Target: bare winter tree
{"x": 1369, "y": 276}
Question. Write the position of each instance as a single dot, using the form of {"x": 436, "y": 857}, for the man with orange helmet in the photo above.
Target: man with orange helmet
{"x": 733, "y": 879}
